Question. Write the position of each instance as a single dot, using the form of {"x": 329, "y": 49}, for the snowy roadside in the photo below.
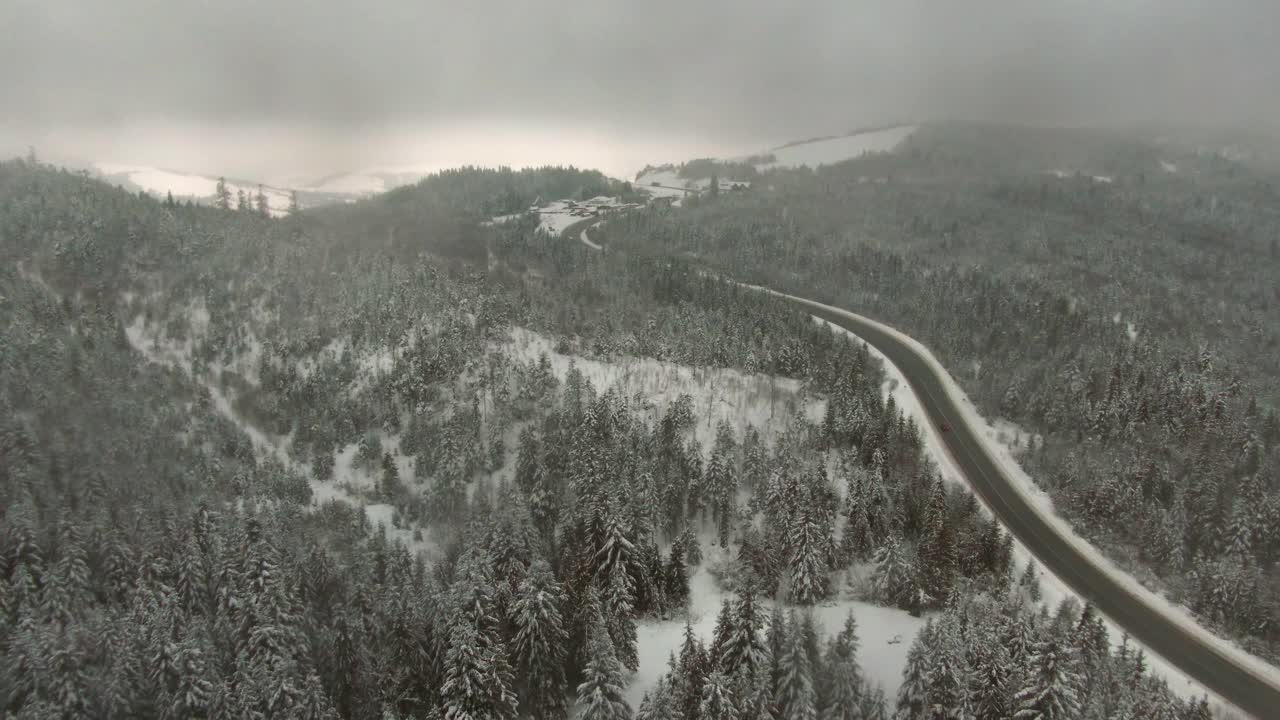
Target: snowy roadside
{"x": 1054, "y": 589}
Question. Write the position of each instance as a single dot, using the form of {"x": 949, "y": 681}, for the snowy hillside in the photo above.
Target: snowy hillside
{"x": 833, "y": 150}
{"x": 372, "y": 180}
{"x": 184, "y": 186}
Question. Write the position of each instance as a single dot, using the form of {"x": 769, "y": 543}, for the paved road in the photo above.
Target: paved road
{"x": 1192, "y": 653}
{"x": 1190, "y": 649}
{"x": 578, "y": 230}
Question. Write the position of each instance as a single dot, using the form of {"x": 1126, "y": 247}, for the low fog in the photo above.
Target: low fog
{"x": 289, "y": 89}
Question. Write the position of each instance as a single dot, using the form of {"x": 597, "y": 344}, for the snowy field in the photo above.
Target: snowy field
{"x": 183, "y": 186}
{"x": 556, "y": 216}
{"x": 834, "y": 150}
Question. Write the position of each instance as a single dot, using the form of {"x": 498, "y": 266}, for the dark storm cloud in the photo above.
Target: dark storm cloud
{"x": 744, "y": 73}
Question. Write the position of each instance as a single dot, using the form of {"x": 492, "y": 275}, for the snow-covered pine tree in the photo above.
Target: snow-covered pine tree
{"x": 658, "y": 702}
{"x": 894, "y": 580}
{"x": 260, "y": 203}
{"x": 937, "y": 560}
{"x": 838, "y": 678}
{"x": 618, "y": 601}
{"x": 718, "y": 701}
{"x": 794, "y": 695}
{"x": 1052, "y": 688}
{"x": 808, "y": 568}
{"x": 602, "y": 692}
{"x": 478, "y": 679}
{"x": 222, "y": 195}
{"x": 691, "y": 671}
{"x": 539, "y": 642}
{"x": 1030, "y": 580}
{"x": 745, "y": 651}
{"x": 913, "y": 694}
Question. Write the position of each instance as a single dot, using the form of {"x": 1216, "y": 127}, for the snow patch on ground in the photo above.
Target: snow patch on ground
{"x": 1168, "y": 166}
{"x": 885, "y": 634}
{"x": 834, "y": 150}
{"x": 742, "y": 400}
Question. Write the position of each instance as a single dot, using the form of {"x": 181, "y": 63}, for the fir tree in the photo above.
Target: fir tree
{"x": 718, "y": 702}
{"x": 1052, "y": 685}
{"x": 913, "y": 694}
{"x": 602, "y": 693}
{"x": 1031, "y": 581}
{"x": 539, "y": 642}
{"x": 260, "y": 203}
{"x": 222, "y": 195}
{"x": 794, "y": 694}
{"x": 808, "y": 570}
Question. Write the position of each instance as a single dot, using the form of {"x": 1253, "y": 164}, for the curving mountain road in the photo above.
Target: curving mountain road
{"x": 1190, "y": 648}
{"x": 1233, "y": 676}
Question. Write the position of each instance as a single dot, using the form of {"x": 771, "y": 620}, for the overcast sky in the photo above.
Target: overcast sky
{"x": 277, "y": 88}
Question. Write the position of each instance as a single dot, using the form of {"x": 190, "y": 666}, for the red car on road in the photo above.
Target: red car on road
{"x": 946, "y": 426}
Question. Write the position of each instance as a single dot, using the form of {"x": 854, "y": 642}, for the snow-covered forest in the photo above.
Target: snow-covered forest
{"x": 393, "y": 460}
{"x": 1115, "y": 297}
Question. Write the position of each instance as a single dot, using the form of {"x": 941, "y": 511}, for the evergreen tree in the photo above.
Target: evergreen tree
{"x": 618, "y": 602}
{"x": 294, "y": 208}
{"x": 839, "y": 676}
{"x": 539, "y": 642}
{"x": 260, "y": 202}
{"x": 658, "y": 703}
{"x": 744, "y": 649}
{"x": 718, "y": 702}
{"x": 602, "y": 693}
{"x": 913, "y": 694}
{"x": 1031, "y": 581}
{"x": 691, "y": 671}
{"x": 794, "y": 694}
{"x": 1052, "y": 686}
{"x": 808, "y": 569}
{"x": 222, "y": 195}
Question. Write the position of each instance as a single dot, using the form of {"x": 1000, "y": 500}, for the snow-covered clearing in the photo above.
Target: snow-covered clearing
{"x": 761, "y": 401}
{"x": 1054, "y": 589}
{"x": 886, "y": 634}
{"x": 349, "y": 482}
{"x": 834, "y": 150}
{"x": 668, "y": 183}
{"x": 1168, "y": 166}
{"x": 742, "y": 400}
{"x": 556, "y": 216}
{"x": 159, "y": 182}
